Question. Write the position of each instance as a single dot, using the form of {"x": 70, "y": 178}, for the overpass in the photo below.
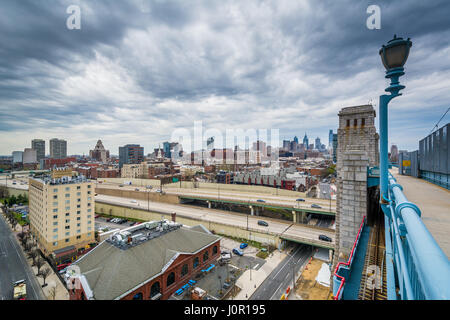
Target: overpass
{"x": 233, "y": 224}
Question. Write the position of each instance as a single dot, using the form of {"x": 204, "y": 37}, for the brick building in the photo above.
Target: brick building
{"x": 145, "y": 262}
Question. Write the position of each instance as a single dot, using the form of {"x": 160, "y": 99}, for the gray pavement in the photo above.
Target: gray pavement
{"x": 281, "y": 277}
{"x": 14, "y": 267}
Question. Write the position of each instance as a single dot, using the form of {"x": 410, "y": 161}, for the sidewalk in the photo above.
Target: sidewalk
{"x": 54, "y": 290}
{"x": 248, "y": 287}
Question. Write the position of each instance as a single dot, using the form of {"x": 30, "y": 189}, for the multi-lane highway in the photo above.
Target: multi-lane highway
{"x": 282, "y": 277}
{"x": 14, "y": 267}
{"x": 280, "y": 228}
{"x": 238, "y": 196}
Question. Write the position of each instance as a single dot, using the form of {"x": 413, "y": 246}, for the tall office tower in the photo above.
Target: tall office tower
{"x": 131, "y": 153}
{"x": 58, "y": 148}
{"x": 318, "y": 144}
{"x": 39, "y": 146}
{"x": 394, "y": 153}
{"x": 61, "y": 211}
{"x": 99, "y": 153}
{"x": 286, "y": 145}
{"x": 306, "y": 141}
{"x": 335, "y": 147}
{"x": 330, "y": 139}
{"x": 166, "y": 149}
{"x": 296, "y": 139}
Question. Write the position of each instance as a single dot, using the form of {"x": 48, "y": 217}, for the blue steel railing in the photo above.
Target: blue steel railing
{"x": 417, "y": 268}
{"x": 342, "y": 270}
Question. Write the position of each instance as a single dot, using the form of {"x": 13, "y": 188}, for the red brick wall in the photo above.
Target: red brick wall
{"x": 175, "y": 267}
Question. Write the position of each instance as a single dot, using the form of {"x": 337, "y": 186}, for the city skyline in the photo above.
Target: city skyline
{"x": 136, "y": 71}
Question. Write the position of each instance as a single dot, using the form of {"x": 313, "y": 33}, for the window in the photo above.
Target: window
{"x": 55, "y": 244}
{"x": 89, "y": 204}
{"x": 170, "y": 279}
{"x": 55, "y": 210}
{"x": 348, "y": 123}
{"x": 78, "y": 200}
{"x": 78, "y": 187}
{"x": 67, "y": 214}
{"x": 78, "y": 231}
{"x": 196, "y": 262}
{"x": 67, "y": 240}
{"x": 55, "y": 203}
{"x": 55, "y": 190}
{"x": 89, "y": 192}
{"x": 67, "y": 201}
{"x": 78, "y": 193}
{"x": 89, "y": 216}
{"x": 55, "y": 223}
{"x": 78, "y": 224}
{"x": 363, "y": 122}
{"x": 89, "y": 228}
{"x": 355, "y": 122}
{"x": 55, "y": 230}
{"x": 78, "y": 206}
{"x": 205, "y": 256}
{"x": 55, "y": 237}
{"x": 214, "y": 250}
{"x": 67, "y": 188}
{"x": 67, "y": 233}
{"x": 89, "y": 222}
{"x": 67, "y": 208}
{"x": 67, "y": 220}
{"x": 67, "y": 227}
{"x": 138, "y": 296}
{"x": 184, "y": 270}
{"x": 78, "y": 237}
{"x": 67, "y": 195}
{"x": 78, "y": 212}
{"x": 89, "y": 186}
{"x": 55, "y": 216}
{"x": 55, "y": 197}
{"x": 89, "y": 210}
{"x": 78, "y": 218}
{"x": 155, "y": 289}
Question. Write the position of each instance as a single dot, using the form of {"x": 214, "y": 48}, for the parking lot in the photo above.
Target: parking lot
{"x": 218, "y": 282}
{"x": 102, "y": 224}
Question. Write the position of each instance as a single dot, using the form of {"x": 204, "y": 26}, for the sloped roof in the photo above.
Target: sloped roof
{"x": 111, "y": 271}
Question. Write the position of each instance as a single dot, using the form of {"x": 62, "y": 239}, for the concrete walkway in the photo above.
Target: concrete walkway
{"x": 248, "y": 287}
{"x": 434, "y": 203}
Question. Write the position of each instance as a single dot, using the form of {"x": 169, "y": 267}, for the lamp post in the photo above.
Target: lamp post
{"x": 393, "y": 55}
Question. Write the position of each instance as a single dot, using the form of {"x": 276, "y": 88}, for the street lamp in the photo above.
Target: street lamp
{"x": 393, "y": 56}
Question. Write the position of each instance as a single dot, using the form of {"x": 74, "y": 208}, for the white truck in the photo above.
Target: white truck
{"x": 20, "y": 290}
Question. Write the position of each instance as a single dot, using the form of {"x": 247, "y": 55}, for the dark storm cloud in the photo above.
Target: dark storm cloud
{"x": 139, "y": 69}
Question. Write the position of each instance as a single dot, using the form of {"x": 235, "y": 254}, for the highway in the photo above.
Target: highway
{"x": 281, "y": 277}
{"x": 14, "y": 267}
{"x": 278, "y": 227}
{"x": 250, "y": 198}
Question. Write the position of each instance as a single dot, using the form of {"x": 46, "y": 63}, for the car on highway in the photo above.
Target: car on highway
{"x": 260, "y": 200}
{"x": 263, "y": 223}
{"x": 243, "y": 245}
{"x": 149, "y": 187}
{"x": 324, "y": 238}
{"x": 133, "y": 201}
{"x": 300, "y": 199}
{"x": 120, "y": 185}
{"x": 137, "y": 189}
{"x": 316, "y": 206}
{"x": 158, "y": 190}
{"x": 238, "y": 252}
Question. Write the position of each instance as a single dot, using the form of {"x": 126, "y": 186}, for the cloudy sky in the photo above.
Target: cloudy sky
{"x": 137, "y": 70}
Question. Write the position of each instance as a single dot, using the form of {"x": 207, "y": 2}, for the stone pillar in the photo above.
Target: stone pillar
{"x": 209, "y": 204}
{"x": 352, "y": 198}
{"x": 294, "y": 216}
{"x": 252, "y": 212}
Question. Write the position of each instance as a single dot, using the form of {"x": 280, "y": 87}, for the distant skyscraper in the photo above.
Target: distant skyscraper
{"x": 335, "y": 147}
{"x": 131, "y": 153}
{"x": 296, "y": 139}
{"x": 306, "y": 141}
{"x": 318, "y": 144}
{"x": 330, "y": 139}
{"x": 394, "y": 153}
{"x": 166, "y": 149}
{"x": 58, "y": 148}
{"x": 286, "y": 145}
{"x": 210, "y": 144}
{"x": 39, "y": 146}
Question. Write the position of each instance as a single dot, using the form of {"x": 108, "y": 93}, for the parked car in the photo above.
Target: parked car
{"x": 120, "y": 185}
{"x": 97, "y": 216}
{"x": 109, "y": 219}
{"x": 300, "y": 199}
{"x": 137, "y": 189}
{"x": 324, "y": 238}
{"x": 158, "y": 190}
{"x": 316, "y": 206}
{"x": 149, "y": 187}
{"x": 263, "y": 223}
{"x": 243, "y": 245}
{"x": 260, "y": 200}
{"x": 238, "y": 252}
{"x": 62, "y": 266}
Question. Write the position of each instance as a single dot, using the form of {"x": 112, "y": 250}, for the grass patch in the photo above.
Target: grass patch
{"x": 262, "y": 254}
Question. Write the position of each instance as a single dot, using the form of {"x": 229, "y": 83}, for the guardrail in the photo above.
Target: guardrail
{"x": 342, "y": 270}
{"x": 422, "y": 270}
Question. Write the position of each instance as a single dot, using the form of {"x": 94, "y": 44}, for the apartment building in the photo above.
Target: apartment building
{"x": 131, "y": 171}
{"x": 62, "y": 212}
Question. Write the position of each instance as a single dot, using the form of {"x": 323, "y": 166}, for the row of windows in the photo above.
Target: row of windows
{"x": 68, "y": 188}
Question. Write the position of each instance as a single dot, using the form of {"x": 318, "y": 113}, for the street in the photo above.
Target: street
{"x": 14, "y": 267}
{"x": 281, "y": 277}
